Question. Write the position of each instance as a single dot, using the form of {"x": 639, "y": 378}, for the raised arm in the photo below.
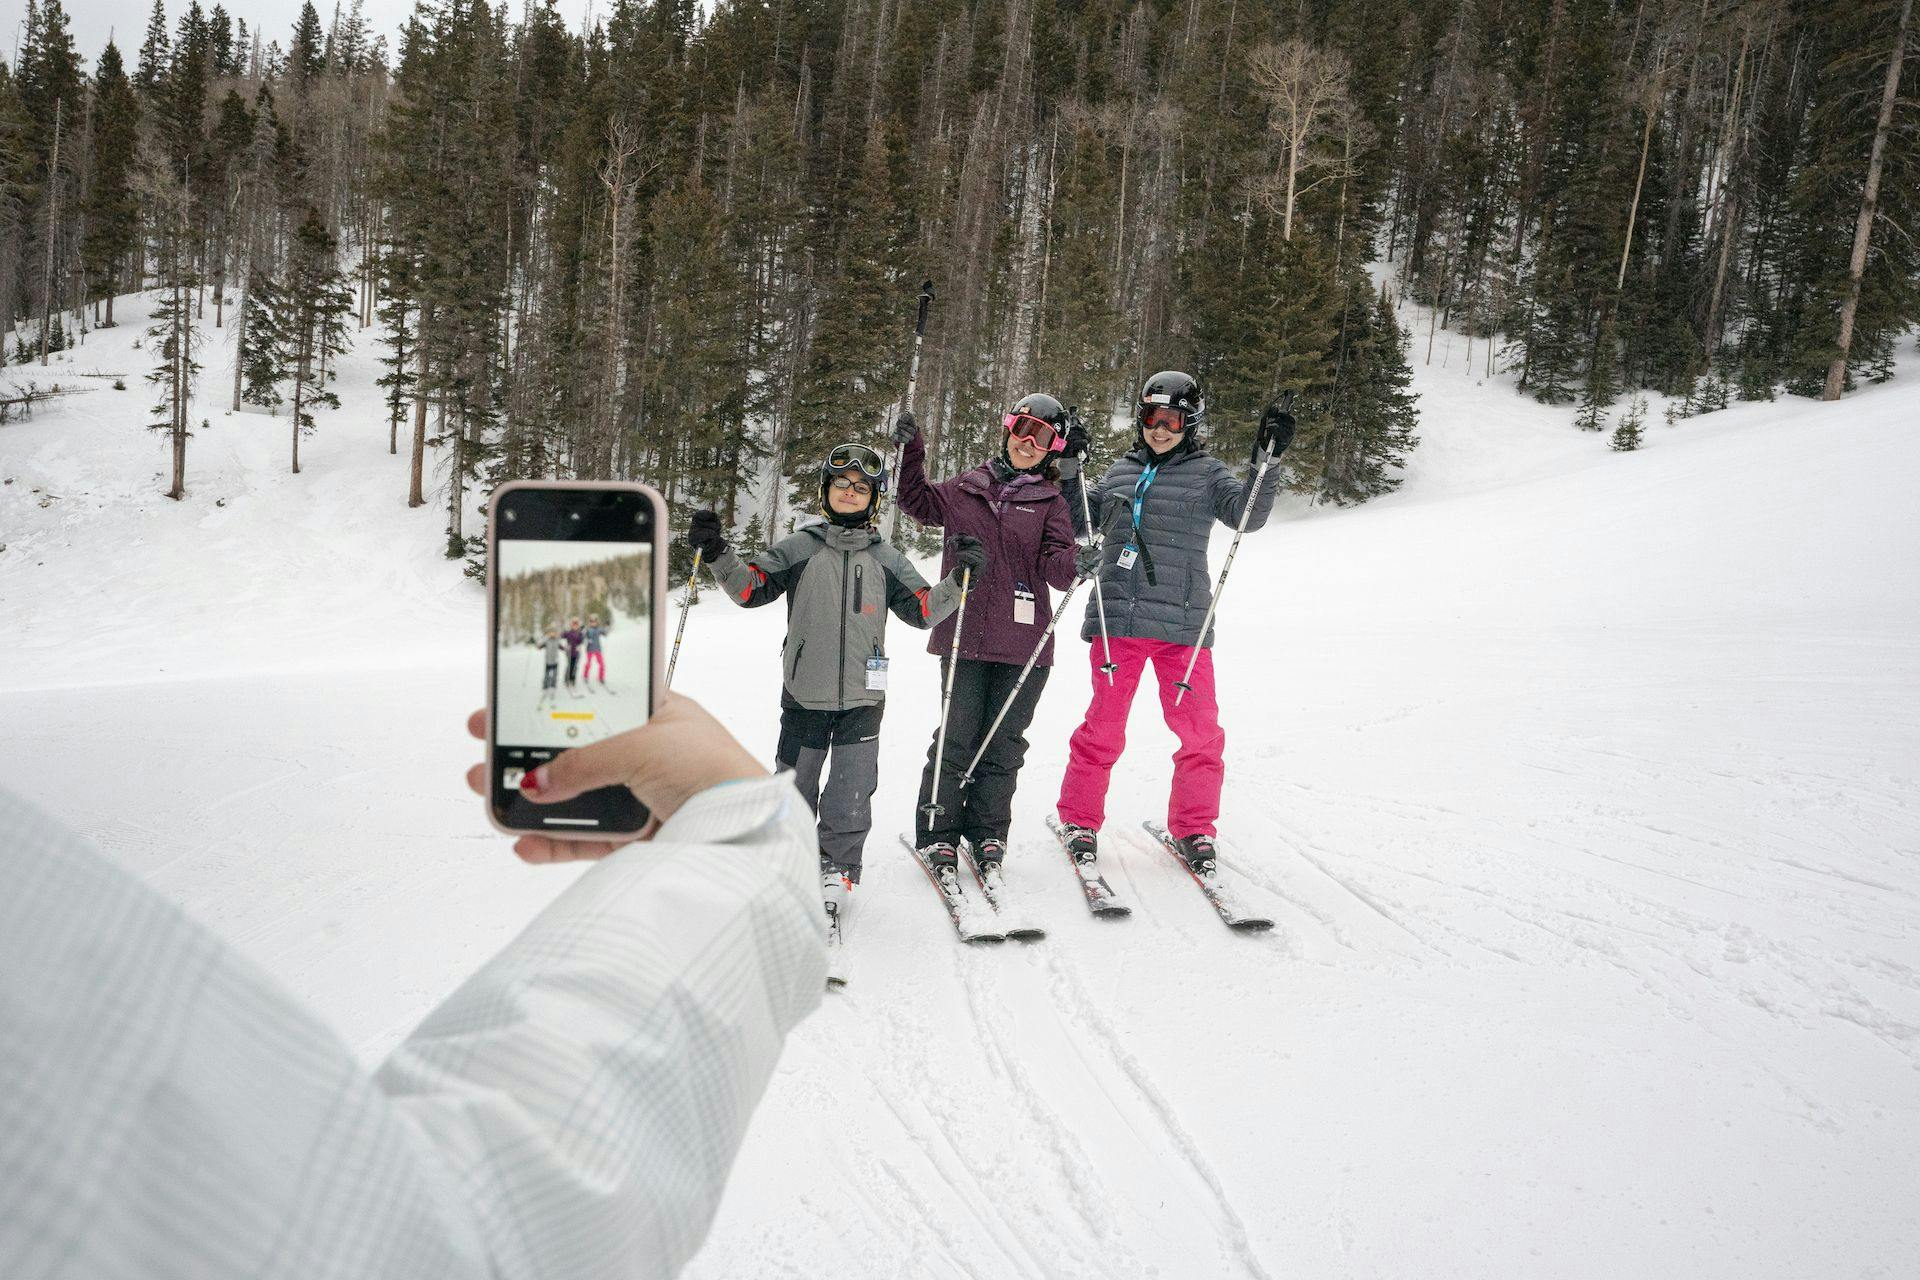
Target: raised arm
{"x": 918, "y": 497}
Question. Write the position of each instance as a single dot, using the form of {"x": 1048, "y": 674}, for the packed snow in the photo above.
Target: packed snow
{"x": 1584, "y": 788}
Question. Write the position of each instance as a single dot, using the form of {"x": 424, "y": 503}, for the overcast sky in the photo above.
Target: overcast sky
{"x": 91, "y": 21}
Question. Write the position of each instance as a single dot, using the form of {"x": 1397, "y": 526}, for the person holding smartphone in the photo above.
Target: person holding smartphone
{"x": 1013, "y": 503}
{"x": 1155, "y": 509}
{"x": 841, "y": 580}
{"x": 573, "y": 1108}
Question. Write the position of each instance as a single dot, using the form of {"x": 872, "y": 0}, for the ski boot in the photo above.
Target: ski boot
{"x": 1197, "y": 852}
{"x": 1082, "y": 842}
{"x": 988, "y": 854}
{"x": 943, "y": 859}
{"x": 836, "y": 884}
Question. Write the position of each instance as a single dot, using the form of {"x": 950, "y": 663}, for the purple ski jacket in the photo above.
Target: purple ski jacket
{"x": 1028, "y": 534}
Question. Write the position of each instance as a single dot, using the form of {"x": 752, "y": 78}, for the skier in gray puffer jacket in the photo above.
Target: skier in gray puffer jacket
{"x": 1155, "y": 508}
{"x": 840, "y": 580}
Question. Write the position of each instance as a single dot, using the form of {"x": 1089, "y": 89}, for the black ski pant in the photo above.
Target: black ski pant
{"x": 844, "y": 810}
{"x": 983, "y": 810}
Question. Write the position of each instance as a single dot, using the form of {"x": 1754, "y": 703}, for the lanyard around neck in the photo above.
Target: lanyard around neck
{"x": 1140, "y": 487}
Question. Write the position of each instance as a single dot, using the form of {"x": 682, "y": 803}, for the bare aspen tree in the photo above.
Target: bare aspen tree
{"x": 1306, "y": 88}
{"x": 620, "y": 174}
{"x": 1653, "y": 89}
{"x": 1869, "y": 200}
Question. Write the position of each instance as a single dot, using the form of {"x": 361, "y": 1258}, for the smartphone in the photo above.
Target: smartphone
{"x": 576, "y": 572}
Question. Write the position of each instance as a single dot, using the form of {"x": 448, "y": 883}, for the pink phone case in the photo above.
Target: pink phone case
{"x": 658, "y": 625}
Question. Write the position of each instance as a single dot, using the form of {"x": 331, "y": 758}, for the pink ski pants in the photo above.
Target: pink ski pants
{"x": 595, "y": 656}
{"x": 1198, "y": 766}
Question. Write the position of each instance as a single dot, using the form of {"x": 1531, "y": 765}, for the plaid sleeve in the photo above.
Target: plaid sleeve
{"x": 570, "y": 1111}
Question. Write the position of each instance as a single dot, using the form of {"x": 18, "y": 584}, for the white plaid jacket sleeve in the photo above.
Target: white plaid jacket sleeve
{"x": 571, "y": 1111}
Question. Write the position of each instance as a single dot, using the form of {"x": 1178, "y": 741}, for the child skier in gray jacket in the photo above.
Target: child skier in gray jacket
{"x": 840, "y": 579}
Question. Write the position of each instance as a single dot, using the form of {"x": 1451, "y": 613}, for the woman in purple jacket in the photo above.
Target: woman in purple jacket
{"x": 1012, "y": 503}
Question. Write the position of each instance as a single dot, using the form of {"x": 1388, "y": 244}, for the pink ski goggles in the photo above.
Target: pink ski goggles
{"x": 1037, "y": 430}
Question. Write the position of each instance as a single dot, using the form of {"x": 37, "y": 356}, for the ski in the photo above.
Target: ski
{"x": 993, "y": 887}
{"x": 1225, "y": 901}
{"x": 1101, "y": 899}
{"x": 971, "y": 921}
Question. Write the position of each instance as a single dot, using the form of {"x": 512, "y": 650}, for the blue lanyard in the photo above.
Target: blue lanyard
{"x": 1140, "y": 488}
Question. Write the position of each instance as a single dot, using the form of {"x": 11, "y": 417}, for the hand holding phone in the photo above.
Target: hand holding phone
{"x": 675, "y": 756}
{"x": 577, "y": 567}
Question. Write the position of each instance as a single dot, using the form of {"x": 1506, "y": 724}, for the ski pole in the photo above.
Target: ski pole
{"x": 686, "y": 606}
{"x": 966, "y": 779}
{"x": 1220, "y": 587}
{"x": 913, "y": 378}
{"x": 1099, "y": 597}
{"x": 933, "y": 808}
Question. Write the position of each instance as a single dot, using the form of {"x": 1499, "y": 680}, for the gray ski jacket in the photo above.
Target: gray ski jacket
{"x": 1165, "y": 594}
{"x": 840, "y": 584}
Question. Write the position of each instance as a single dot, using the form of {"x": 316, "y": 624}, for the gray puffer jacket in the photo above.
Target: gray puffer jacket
{"x": 840, "y": 584}
{"x": 1165, "y": 595}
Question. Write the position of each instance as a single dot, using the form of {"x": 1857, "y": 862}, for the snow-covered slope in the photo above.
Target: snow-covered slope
{"x": 1585, "y": 789}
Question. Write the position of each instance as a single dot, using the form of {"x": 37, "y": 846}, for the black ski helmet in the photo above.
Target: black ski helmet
{"x": 1038, "y": 405}
{"x": 1170, "y": 388}
{"x": 867, "y": 462}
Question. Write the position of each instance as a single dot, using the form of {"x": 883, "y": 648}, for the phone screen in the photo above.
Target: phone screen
{"x": 573, "y": 608}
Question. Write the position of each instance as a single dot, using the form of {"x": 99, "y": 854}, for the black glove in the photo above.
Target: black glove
{"x": 1078, "y": 442}
{"x": 905, "y": 429}
{"x": 969, "y": 553}
{"x": 1086, "y": 560}
{"x": 705, "y": 535}
{"x": 1276, "y": 432}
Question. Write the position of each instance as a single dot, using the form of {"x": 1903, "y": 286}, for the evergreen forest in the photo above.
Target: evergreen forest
{"x": 685, "y": 243}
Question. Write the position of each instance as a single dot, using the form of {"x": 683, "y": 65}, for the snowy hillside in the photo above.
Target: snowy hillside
{"x": 1585, "y": 788}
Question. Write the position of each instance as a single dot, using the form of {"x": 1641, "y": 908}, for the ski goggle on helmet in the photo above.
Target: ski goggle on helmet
{"x": 1039, "y": 419}
{"x": 857, "y": 457}
{"x": 1172, "y": 401}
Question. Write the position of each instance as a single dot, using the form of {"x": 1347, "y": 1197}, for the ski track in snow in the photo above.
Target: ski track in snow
{"x": 1584, "y": 790}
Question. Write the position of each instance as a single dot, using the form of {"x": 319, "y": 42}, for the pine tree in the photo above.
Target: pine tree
{"x": 1602, "y": 385}
{"x": 220, "y": 42}
{"x": 172, "y": 329}
{"x": 112, "y": 208}
{"x": 156, "y": 53}
{"x": 1628, "y": 436}
{"x": 399, "y": 316}
{"x": 314, "y": 303}
{"x": 1370, "y": 415}
{"x": 262, "y": 352}
{"x": 306, "y": 55}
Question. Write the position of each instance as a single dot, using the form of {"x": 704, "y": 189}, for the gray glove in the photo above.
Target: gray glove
{"x": 1087, "y": 558}
{"x": 905, "y": 429}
